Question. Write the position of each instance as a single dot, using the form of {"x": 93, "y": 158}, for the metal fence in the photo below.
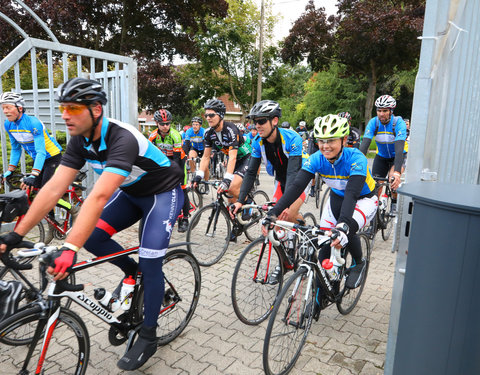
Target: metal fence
{"x": 445, "y": 125}
{"x": 118, "y": 76}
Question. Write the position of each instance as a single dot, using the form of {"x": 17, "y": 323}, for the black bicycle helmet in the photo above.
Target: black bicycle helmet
{"x": 216, "y": 105}
{"x": 162, "y": 115}
{"x": 285, "y": 125}
{"x": 197, "y": 119}
{"x": 265, "y": 108}
{"x": 82, "y": 90}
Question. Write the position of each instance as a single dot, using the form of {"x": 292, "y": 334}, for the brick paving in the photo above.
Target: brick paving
{"x": 216, "y": 342}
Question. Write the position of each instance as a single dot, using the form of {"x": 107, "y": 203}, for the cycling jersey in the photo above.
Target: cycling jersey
{"x": 385, "y": 135}
{"x": 228, "y": 139}
{"x": 123, "y": 150}
{"x": 353, "y": 139}
{"x": 169, "y": 145}
{"x": 30, "y": 133}
{"x": 288, "y": 143}
{"x": 195, "y": 139}
{"x": 351, "y": 162}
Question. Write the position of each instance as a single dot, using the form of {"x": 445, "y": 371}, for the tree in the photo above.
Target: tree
{"x": 375, "y": 37}
{"x": 310, "y": 38}
{"x": 228, "y": 54}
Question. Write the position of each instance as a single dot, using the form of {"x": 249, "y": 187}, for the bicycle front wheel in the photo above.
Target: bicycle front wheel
{"x": 288, "y": 325}
{"x": 309, "y": 218}
{"x": 195, "y": 198}
{"x": 253, "y": 229}
{"x": 350, "y": 297}
{"x": 209, "y": 234}
{"x": 254, "y": 289}
{"x": 182, "y": 290}
{"x": 68, "y": 344}
{"x": 386, "y": 215}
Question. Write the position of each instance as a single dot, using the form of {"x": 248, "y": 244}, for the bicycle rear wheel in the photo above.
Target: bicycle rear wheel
{"x": 386, "y": 215}
{"x": 318, "y": 189}
{"x": 323, "y": 204}
{"x": 253, "y": 229}
{"x": 209, "y": 231}
{"x": 182, "y": 290}
{"x": 253, "y": 290}
{"x": 288, "y": 325}
{"x": 350, "y": 297}
{"x": 68, "y": 348}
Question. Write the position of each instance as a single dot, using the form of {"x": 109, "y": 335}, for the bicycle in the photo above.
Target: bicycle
{"x": 58, "y": 338}
{"x": 65, "y": 210}
{"x": 294, "y": 309}
{"x": 383, "y": 219}
{"x": 212, "y": 223}
{"x": 14, "y": 268}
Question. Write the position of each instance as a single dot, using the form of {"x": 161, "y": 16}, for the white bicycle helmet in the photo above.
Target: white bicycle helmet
{"x": 11, "y": 97}
{"x": 386, "y": 101}
{"x": 302, "y": 123}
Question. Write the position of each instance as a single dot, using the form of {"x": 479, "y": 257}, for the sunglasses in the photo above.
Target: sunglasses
{"x": 72, "y": 109}
{"x": 261, "y": 121}
{"x": 326, "y": 141}
{"x": 163, "y": 123}
{"x": 211, "y": 115}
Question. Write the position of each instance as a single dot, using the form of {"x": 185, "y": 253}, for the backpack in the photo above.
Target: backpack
{"x": 395, "y": 120}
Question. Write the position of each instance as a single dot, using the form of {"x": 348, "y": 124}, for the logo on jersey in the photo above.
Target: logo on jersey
{"x": 35, "y": 131}
{"x": 356, "y": 167}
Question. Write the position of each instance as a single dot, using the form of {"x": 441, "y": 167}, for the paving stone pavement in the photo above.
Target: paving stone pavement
{"x": 216, "y": 342}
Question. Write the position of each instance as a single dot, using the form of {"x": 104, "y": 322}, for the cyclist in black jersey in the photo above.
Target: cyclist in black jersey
{"x": 137, "y": 181}
{"x": 224, "y": 136}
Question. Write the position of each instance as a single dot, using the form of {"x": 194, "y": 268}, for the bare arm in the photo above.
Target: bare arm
{"x": 232, "y": 159}
{"x": 205, "y": 159}
{"x": 93, "y": 207}
{"x": 47, "y": 198}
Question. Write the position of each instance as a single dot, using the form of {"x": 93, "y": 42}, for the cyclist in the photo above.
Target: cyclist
{"x": 390, "y": 133}
{"x": 285, "y": 125}
{"x": 302, "y": 129}
{"x": 354, "y": 136}
{"x": 352, "y": 202}
{"x": 169, "y": 141}
{"x": 29, "y": 133}
{"x": 224, "y": 136}
{"x": 282, "y": 148}
{"x": 193, "y": 142}
{"x": 137, "y": 181}
{"x": 252, "y": 134}
{"x": 183, "y": 132}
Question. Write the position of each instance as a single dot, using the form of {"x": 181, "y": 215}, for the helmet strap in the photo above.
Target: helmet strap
{"x": 95, "y": 122}
{"x": 271, "y": 132}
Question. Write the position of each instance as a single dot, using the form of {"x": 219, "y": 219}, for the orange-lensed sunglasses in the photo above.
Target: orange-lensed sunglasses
{"x": 72, "y": 109}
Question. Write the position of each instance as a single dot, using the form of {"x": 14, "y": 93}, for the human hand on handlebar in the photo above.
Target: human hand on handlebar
{"x": 234, "y": 208}
{"x": 63, "y": 260}
{"x": 267, "y": 223}
{"x": 339, "y": 235}
{"x": 395, "y": 180}
{"x": 9, "y": 239}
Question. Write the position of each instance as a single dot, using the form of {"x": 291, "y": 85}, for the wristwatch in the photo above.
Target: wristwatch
{"x": 343, "y": 227}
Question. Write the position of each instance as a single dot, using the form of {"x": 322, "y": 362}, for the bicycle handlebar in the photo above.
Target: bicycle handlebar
{"x": 11, "y": 262}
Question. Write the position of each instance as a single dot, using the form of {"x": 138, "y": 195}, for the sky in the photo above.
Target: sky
{"x": 291, "y": 10}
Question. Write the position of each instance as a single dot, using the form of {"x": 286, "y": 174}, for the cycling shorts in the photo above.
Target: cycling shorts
{"x": 381, "y": 166}
{"x": 199, "y": 152}
{"x": 364, "y": 212}
{"x": 241, "y": 166}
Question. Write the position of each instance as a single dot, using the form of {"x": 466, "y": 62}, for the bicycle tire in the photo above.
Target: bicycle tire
{"x": 253, "y": 229}
{"x": 387, "y": 216}
{"x": 253, "y": 296}
{"x": 285, "y": 336}
{"x": 309, "y": 218}
{"x": 318, "y": 189}
{"x": 68, "y": 349}
{"x": 326, "y": 194}
{"x": 209, "y": 234}
{"x": 195, "y": 198}
{"x": 350, "y": 297}
{"x": 36, "y": 234}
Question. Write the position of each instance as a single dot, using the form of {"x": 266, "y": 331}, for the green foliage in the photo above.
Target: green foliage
{"x": 332, "y": 91}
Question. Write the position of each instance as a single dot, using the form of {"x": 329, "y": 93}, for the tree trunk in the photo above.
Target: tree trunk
{"x": 372, "y": 88}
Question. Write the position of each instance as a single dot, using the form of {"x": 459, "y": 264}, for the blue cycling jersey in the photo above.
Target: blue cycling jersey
{"x": 196, "y": 139}
{"x": 351, "y": 162}
{"x": 386, "y": 136}
{"x": 29, "y": 132}
{"x": 291, "y": 145}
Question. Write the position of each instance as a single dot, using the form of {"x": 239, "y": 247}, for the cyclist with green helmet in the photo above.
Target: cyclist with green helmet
{"x": 352, "y": 202}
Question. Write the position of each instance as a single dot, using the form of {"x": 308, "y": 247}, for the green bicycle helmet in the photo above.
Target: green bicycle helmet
{"x": 330, "y": 126}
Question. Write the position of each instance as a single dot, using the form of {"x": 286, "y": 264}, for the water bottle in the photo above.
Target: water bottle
{"x": 126, "y": 292}
{"x": 106, "y": 300}
{"x": 281, "y": 235}
{"x": 383, "y": 201}
{"x": 331, "y": 266}
{"x": 291, "y": 240}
